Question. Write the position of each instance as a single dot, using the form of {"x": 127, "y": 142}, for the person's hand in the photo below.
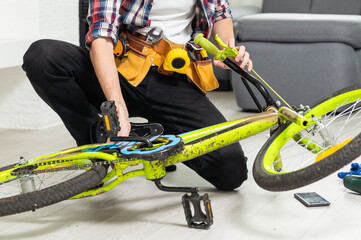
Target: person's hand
{"x": 123, "y": 119}
{"x": 242, "y": 59}
{"x": 102, "y": 57}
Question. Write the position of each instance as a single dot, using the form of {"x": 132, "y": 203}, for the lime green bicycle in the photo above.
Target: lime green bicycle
{"x": 306, "y": 144}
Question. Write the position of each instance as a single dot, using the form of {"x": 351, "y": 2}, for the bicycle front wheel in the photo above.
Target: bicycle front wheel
{"x": 294, "y": 157}
{"x": 26, "y": 192}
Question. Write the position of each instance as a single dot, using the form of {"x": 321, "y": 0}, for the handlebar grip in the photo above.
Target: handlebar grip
{"x": 207, "y": 45}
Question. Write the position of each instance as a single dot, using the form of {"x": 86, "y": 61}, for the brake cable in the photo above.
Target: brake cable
{"x": 233, "y": 52}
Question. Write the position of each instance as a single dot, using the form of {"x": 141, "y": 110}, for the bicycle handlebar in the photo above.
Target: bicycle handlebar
{"x": 208, "y": 46}
{"x": 223, "y": 55}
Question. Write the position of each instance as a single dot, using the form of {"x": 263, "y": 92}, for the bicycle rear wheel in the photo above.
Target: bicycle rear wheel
{"x": 294, "y": 157}
{"x": 25, "y": 192}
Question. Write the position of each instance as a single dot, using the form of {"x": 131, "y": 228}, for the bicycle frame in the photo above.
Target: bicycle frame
{"x": 196, "y": 143}
{"x": 130, "y": 157}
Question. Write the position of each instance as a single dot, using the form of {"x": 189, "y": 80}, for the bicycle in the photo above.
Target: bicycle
{"x": 306, "y": 145}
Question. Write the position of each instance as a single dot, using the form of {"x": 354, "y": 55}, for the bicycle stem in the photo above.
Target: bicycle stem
{"x": 293, "y": 116}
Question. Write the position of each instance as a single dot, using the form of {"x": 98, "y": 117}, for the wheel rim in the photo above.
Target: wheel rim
{"x": 16, "y": 185}
{"x": 340, "y": 117}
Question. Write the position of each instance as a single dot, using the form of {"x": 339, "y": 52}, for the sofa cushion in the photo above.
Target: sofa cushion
{"x": 336, "y": 6}
{"x": 300, "y": 74}
{"x": 286, "y": 6}
{"x": 239, "y": 12}
{"x": 305, "y": 28}
{"x": 242, "y": 11}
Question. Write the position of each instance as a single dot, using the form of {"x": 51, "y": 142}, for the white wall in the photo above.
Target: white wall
{"x": 26, "y": 21}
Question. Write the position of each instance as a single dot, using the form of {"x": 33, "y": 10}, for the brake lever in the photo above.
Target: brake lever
{"x": 227, "y": 52}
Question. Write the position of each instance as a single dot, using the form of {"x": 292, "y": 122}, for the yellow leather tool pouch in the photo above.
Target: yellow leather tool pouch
{"x": 142, "y": 55}
{"x": 140, "y": 58}
{"x": 134, "y": 67}
{"x": 201, "y": 74}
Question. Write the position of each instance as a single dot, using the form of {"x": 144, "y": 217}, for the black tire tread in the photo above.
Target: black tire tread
{"x": 312, "y": 173}
{"x": 56, "y": 193}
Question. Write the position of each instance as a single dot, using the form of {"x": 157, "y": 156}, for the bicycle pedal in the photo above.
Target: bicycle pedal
{"x": 201, "y": 218}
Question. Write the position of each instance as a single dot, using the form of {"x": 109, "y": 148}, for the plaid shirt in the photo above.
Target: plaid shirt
{"x": 106, "y": 16}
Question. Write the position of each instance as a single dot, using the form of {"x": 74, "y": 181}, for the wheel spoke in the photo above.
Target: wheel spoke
{"x": 36, "y": 188}
{"x": 341, "y": 122}
{"x": 42, "y": 180}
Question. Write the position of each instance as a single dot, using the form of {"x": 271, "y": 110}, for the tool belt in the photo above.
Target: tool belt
{"x": 142, "y": 55}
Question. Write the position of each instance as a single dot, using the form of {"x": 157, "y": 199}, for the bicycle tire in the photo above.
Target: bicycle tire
{"x": 272, "y": 180}
{"x": 53, "y": 194}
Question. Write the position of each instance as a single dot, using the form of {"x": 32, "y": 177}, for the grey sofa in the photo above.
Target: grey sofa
{"x": 304, "y": 49}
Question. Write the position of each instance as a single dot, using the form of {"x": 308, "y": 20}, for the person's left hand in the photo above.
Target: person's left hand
{"x": 242, "y": 59}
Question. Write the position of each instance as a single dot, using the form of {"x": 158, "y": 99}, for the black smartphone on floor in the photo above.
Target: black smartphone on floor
{"x": 311, "y": 199}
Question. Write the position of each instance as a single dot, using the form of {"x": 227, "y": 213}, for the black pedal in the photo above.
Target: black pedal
{"x": 108, "y": 127}
{"x": 110, "y": 119}
{"x": 198, "y": 219}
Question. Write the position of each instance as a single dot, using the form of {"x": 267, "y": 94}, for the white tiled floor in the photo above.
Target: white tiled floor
{"x": 137, "y": 210}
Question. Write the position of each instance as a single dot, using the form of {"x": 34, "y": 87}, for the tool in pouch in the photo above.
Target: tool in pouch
{"x": 177, "y": 59}
{"x": 122, "y": 48}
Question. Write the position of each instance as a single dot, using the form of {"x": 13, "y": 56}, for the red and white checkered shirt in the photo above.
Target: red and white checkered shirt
{"x": 106, "y": 16}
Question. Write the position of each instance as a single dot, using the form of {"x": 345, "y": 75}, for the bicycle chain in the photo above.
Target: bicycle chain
{"x": 29, "y": 169}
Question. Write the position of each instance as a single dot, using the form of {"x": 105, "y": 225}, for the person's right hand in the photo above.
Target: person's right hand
{"x": 123, "y": 119}
{"x": 102, "y": 57}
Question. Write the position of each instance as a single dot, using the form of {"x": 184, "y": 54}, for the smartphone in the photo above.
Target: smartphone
{"x": 311, "y": 199}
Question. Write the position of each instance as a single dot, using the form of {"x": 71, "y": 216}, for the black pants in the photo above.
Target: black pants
{"x": 63, "y": 76}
